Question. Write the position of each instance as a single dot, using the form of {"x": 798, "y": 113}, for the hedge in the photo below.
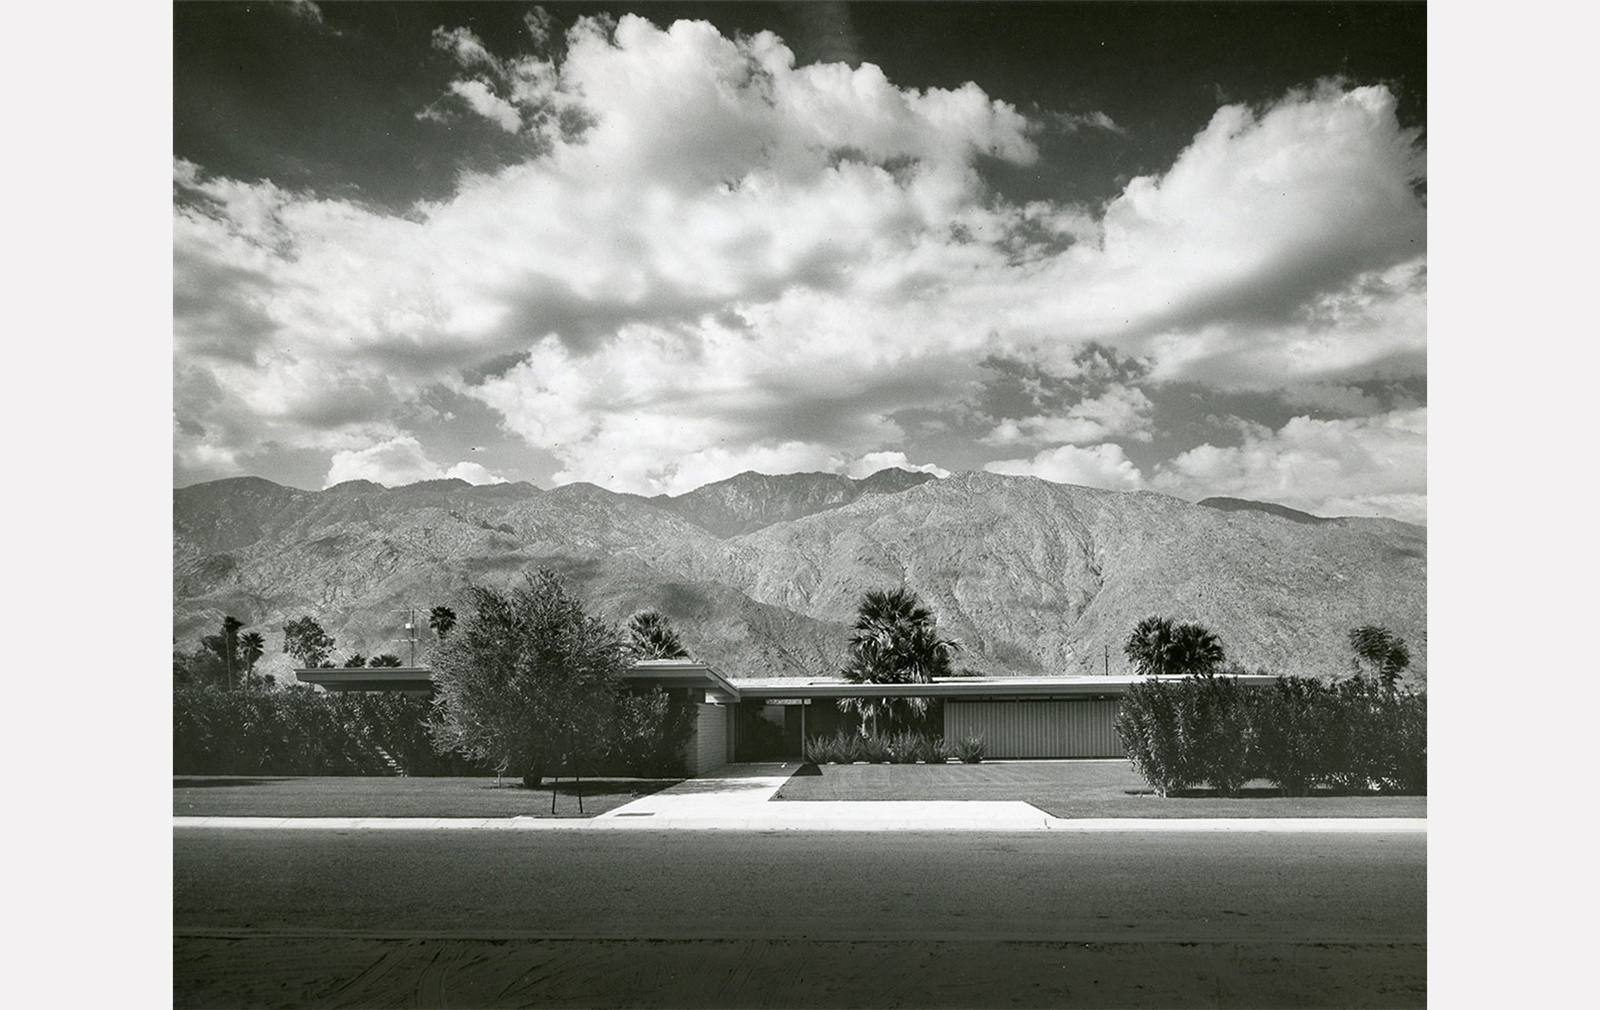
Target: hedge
{"x": 1356, "y": 735}
{"x": 260, "y": 730}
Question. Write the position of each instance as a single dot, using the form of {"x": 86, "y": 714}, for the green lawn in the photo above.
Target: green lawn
{"x": 356, "y": 796}
{"x": 1072, "y": 789}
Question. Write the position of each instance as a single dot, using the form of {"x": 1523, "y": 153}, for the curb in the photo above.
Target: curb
{"x": 1277, "y": 825}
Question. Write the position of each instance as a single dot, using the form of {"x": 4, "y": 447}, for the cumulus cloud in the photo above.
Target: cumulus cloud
{"x": 1072, "y": 122}
{"x": 1359, "y": 466}
{"x": 305, "y": 10}
{"x": 872, "y": 462}
{"x": 1270, "y": 235}
{"x": 1103, "y": 466}
{"x": 718, "y": 260}
{"x": 474, "y": 473}
{"x": 399, "y": 460}
{"x": 1121, "y": 411}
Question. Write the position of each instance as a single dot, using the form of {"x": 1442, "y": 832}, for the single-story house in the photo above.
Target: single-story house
{"x": 766, "y": 719}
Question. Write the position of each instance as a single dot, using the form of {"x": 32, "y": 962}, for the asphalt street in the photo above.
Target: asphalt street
{"x": 376, "y": 918}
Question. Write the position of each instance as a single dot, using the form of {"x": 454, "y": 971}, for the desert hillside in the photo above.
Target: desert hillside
{"x": 761, "y": 573}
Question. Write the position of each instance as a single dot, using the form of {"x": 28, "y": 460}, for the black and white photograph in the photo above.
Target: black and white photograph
{"x": 860, "y": 504}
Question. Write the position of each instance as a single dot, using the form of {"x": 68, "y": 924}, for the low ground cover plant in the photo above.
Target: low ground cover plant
{"x": 904, "y": 747}
{"x": 971, "y": 749}
{"x": 1354, "y": 736}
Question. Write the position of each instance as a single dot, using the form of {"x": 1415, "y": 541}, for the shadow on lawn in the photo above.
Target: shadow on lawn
{"x": 1255, "y": 793}
{"x": 595, "y": 788}
{"x": 185, "y": 782}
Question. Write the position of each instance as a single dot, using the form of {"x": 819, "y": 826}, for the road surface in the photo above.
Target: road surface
{"x": 583, "y": 918}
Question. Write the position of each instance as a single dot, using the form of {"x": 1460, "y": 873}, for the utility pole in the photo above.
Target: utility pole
{"x": 411, "y": 631}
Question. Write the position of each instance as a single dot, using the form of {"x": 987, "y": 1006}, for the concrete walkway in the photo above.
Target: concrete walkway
{"x": 736, "y": 798}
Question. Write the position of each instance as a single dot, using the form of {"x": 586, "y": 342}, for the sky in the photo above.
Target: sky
{"x": 1176, "y": 248}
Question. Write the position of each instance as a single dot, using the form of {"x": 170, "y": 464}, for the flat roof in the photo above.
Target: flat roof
{"x": 692, "y": 673}
{"x": 368, "y": 678}
{"x": 957, "y": 687}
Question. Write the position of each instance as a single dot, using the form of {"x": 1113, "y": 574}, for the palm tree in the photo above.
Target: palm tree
{"x": 1195, "y": 651}
{"x": 1159, "y": 647}
{"x": 1149, "y": 645}
{"x": 894, "y": 641}
{"x": 650, "y": 636}
{"x": 230, "y": 643}
{"x": 441, "y": 619}
{"x": 251, "y": 648}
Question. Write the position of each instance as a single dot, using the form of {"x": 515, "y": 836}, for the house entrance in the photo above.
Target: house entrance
{"x": 770, "y": 730}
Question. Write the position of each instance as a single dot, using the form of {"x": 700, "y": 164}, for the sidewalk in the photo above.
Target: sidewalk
{"x": 736, "y": 798}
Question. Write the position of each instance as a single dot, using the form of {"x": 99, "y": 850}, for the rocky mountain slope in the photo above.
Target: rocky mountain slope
{"x": 762, "y": 574}
{"x": 753, "y": 500}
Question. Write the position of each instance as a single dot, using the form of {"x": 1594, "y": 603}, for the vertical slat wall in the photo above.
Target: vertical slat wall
{"x": 1037, "y": 729}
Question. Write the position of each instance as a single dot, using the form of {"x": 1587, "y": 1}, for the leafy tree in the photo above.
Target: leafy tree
{"x": 202, "y": 666}
{"x": 441, "y": 619}
{"x": 1379, "y": 652}
{"x": 356, "y": 659}
{"x": 305, "y": 640}
{"x": 651, "y": 637}
{"x": 387, "y": 659}
{"x": 652, "y": 729}
{"x": 894, "y": 641}
{"x": 251, "y": 648}
{"x": 530, "y": 679}
{"x": 1159, "y": 647}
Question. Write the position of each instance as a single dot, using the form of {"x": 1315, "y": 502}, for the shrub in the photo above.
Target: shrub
{"x": 1214, "y": 729}
{"x": 1406, "y": 768}
{"x": 841, "y": 748}
{"x": 1148, "y": 723}
{"x": 848, "y": 747}
{"x": 1379, "y": 738}
{"x": 907, "y": 748}
{"x": 875, "y": 749}
{"x": 652, "y": 732}
{"x": 1355, "y": 736}
{"x": 939, "y": 751}
{"x": 1289, "y": 740}
{"x": 263, "y": 730}
{"x": 816, "y": 750}
{"x": 1183, "y": 734}
{"x": 970, "y": 749}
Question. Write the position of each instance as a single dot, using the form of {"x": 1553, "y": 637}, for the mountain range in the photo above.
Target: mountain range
{"x": 761, "y": 574}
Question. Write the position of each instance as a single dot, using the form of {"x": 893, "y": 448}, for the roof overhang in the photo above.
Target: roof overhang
{"x": 685, "y": 673}
{"x": 368, "y": 678}
{"x": 991, "y": 688}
